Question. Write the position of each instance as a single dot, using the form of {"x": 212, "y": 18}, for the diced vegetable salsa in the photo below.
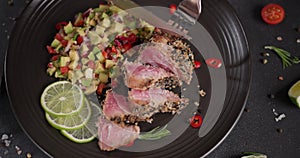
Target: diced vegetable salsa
{"x": 86, "y": 51}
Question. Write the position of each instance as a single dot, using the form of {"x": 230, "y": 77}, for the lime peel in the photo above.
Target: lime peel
{"x": 73, "y": 121}
{"x": 88, "y": 132}
{"x": 294, "y": 94}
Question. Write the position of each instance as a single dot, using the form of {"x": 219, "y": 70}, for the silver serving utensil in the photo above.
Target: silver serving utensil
{"x": 186, "y": 15}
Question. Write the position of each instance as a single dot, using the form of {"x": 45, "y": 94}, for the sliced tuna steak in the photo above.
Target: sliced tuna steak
{"x": 112, "y": 135}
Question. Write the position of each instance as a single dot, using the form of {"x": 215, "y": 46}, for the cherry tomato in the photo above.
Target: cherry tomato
{"x": 173, "y": 8}
{"x": 64, "y": 70}
{"x": 196, "y": 121}
{"x": 272, "y": 14}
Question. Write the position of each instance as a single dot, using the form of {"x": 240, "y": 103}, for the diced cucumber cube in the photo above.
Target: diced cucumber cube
{"x": 96, "y": 50}
{"x": 100, "y": 57}
{"x": 73, "y": 65}
{"x": 106, "y": 22}
{"x": 99, "y": 68}
{"x": 51, "y": 71}
{"x": 63, "y": 61}
{"x": 103, "y": 77}
{"x": 100, "y": 30}
{"x": 84, "y": 48}
{"x": 84, "y": 60}
{"x": 55, "y": 43}
{"x": 68, "y": 28}
{"x": 74, "y": 55}
{"x": 91, "y": 56}
{"x": 94, "y": 37}
{"x": 109, "y": 64}
{"x": 86, "y": 82}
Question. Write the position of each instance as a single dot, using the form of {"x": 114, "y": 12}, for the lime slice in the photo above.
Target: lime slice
{"x": 62, "y": 98}
{"x": 294, "y": 93}
{"x": 73, "y": 121}
{"x": 81, "y": 135}
{"x": 89, "y": 131}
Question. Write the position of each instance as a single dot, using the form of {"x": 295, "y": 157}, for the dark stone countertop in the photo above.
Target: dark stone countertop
{"x": 256, "y": 130}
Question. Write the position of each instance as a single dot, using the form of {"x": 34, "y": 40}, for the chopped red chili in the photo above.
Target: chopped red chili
{"x": 173, "y": 8}
{"x": 196, "y": 121}
{"x": 197, "y": 64}
{"x": 214, "y": 62}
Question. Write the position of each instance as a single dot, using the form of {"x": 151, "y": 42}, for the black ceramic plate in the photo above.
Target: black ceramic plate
{"x": 26, "y": 78}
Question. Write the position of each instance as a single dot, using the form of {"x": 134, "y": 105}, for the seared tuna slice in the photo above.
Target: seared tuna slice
{"x": 148, "y": 102}
{"x": 175, "y": 62}
{"x": 112, "y": 135}
{"x": 115, "y": 105}
{"x": 139, "y": 76}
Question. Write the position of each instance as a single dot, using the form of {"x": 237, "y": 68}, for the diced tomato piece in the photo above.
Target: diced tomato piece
{"x": 59, "y": 37}
{"x": 79, "y": 40}
{"x": 64, "y": 69}
{"x": 96, "y": 75}
{"x": 51, "y": 50}
{"x": 196, "y": 121}
{"x": 50, "y": 65}
{"x": 132, "y": 38}
{"x": 113, "y": 49}
{"x": 127, "y": 46}
{"x": 80, "y": 23}
{"x": 105, "y": 54}
{"x": 117, "y": 43}
{"x": 60, "y": 25}
{"x": 55, "y": 57}
{"x": 64, "y": 43}
{"x": 100, "y": 88}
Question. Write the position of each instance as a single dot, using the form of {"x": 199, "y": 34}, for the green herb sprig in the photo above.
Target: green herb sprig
{"x": 253, "y": 155}
{"x": 286, "y": 57}
{"x": 155, "y": 134}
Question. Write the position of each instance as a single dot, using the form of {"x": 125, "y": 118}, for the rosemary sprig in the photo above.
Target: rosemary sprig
{"x": 155, "y": 134}
{"x": 286, "y": 57}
